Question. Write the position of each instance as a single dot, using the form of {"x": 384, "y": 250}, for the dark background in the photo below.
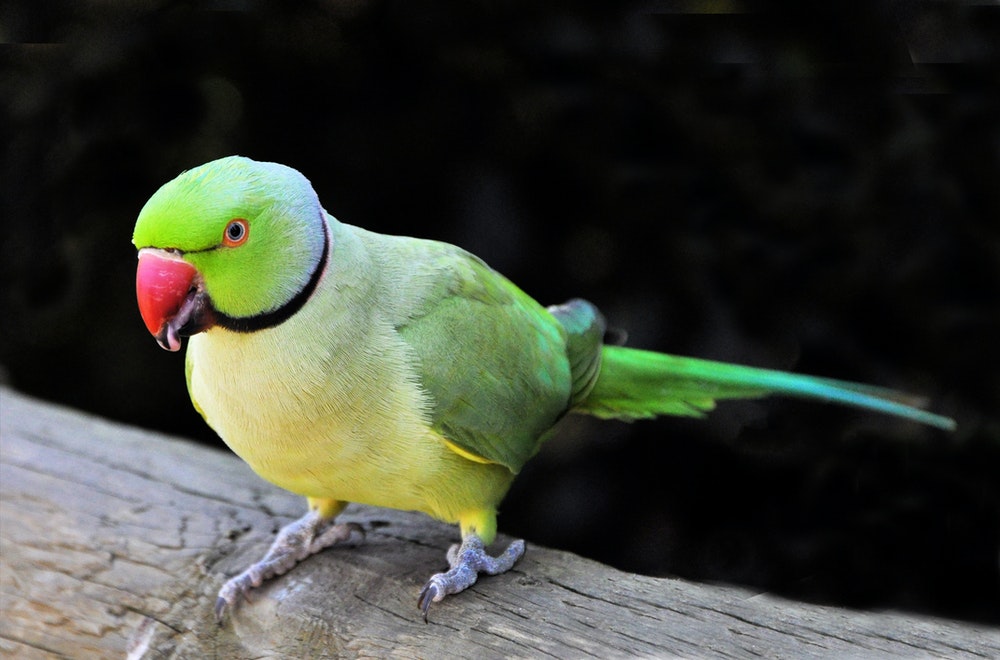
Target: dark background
{"x": 806, "y": 186}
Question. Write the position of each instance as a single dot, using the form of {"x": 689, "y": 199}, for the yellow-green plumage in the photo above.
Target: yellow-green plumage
{"x": 350, "y": 366}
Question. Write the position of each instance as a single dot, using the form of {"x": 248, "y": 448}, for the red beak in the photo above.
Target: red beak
{"x": 168, "y": 296}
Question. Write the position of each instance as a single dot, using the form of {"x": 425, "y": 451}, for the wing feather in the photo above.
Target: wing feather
{"x": 492, "y": 360}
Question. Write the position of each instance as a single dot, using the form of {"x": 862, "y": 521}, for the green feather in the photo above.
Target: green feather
{"x": 637, "y": 384}
{"x": 512, "y": 383}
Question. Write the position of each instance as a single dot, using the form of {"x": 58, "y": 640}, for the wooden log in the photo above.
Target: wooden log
{"x": 114, "y": 542}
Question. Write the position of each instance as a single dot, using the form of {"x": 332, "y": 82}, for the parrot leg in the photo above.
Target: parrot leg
{"x": 296, "y": 541}
{"x": 467, "y": 562}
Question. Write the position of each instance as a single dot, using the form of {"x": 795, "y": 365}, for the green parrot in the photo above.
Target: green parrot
{"x": 349, "y": 366}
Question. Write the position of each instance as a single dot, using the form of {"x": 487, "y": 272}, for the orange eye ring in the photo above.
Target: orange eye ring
{"x": 237, "y": 232}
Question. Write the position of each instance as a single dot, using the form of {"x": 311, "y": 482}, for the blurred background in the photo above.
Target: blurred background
{"x": 802, "y": 185}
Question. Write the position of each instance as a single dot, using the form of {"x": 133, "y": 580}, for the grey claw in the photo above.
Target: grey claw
{"x": 427, "y": 596}
{"x": 220, "y": 609}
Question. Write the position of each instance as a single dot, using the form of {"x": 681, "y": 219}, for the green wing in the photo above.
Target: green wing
{"x": 493, "y": 361}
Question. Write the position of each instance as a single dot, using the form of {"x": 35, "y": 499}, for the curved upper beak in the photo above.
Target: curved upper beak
{"x": 171, "y": 301}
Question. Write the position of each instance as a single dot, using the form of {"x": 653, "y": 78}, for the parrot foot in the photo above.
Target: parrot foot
{"x": 295, "y": 542}
{"x": 467, "y": 562}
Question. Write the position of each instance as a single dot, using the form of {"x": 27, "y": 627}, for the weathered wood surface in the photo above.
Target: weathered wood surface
{"x": 114, "y": 541}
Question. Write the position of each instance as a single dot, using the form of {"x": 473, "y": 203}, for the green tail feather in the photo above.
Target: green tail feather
{"x": 636, "y": 384}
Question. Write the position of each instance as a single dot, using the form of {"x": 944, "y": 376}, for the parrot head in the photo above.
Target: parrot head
{"x": 234, "y": 243}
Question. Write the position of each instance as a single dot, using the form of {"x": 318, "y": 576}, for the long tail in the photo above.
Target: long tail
{"x": 635, "y": 384}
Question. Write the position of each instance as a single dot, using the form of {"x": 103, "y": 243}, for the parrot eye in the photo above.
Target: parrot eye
{"x": 236, "y": 232}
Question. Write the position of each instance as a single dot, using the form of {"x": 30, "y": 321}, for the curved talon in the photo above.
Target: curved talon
{"x": 220, "y": 609}
{"x": 235, "y": 590}
{"x": 427, "y": 596}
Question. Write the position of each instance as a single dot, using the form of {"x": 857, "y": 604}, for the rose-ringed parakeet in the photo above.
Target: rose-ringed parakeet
{"x": 350, "y": 366}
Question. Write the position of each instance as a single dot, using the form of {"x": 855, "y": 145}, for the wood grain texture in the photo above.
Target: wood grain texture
{"x": 114, "y": 542}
